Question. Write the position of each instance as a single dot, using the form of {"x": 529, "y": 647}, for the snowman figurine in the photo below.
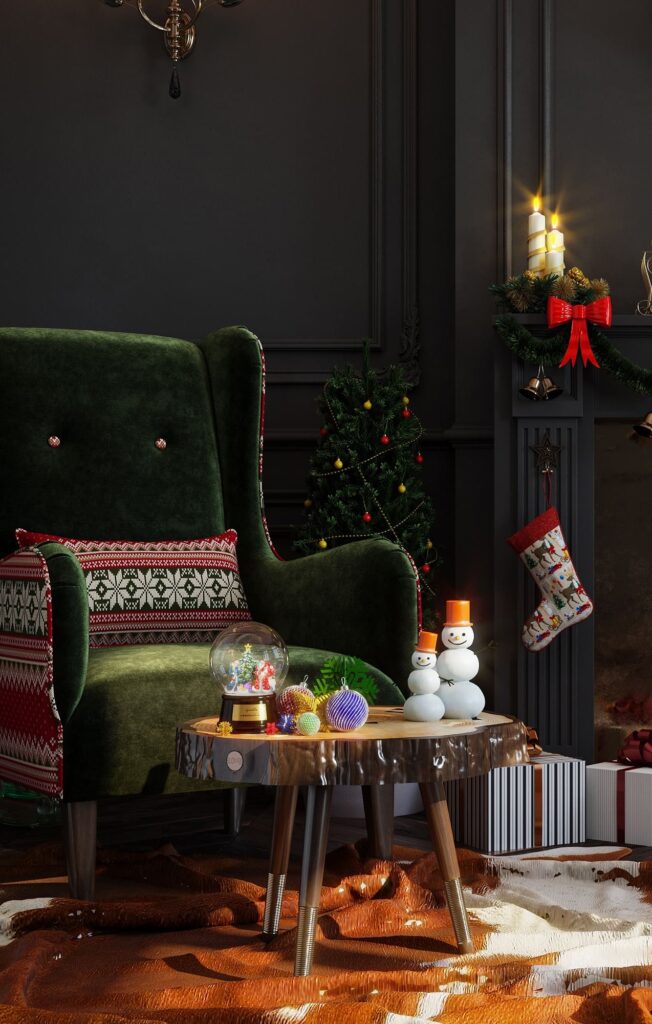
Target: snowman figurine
{"x": 424, "y": 705}
{"x": 458, "y": 664}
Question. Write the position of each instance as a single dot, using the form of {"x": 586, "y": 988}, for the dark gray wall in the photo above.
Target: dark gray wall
{"x": 331, "y": 171}
{"x": 302, "y": 185}
{"x": 569, "y": 112}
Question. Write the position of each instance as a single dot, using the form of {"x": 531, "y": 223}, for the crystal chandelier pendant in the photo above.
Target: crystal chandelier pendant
{"x": 175, "y": 83}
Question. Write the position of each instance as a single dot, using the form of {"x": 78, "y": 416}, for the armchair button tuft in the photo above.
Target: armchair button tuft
{"x": 161, "y": 444}
{"x": 54, "y": 441}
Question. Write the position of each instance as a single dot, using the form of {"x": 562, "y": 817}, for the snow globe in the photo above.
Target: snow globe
{"x": 248, "y": 660}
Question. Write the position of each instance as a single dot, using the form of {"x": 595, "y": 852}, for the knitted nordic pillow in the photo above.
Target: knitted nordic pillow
{"x": 158, "y": 592}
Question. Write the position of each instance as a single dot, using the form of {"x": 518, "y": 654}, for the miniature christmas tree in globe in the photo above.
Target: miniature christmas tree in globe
{"x": 366, "y": 474}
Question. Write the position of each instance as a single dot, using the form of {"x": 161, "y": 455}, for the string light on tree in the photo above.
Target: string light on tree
{"x": 380, "y": 492}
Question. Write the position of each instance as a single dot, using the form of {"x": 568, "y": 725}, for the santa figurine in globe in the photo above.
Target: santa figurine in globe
{"x": 423, "y": 682}
{"x": 458, "y": 665}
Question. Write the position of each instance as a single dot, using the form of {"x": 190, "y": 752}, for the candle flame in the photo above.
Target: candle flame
{"x": 554, "y": 221}
{"x": 536, "y": 204}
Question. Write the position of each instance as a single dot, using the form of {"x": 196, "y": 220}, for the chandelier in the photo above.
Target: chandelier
{"x": 179, "y": 29}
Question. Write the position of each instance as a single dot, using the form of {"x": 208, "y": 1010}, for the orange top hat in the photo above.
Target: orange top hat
{"x": 427, "y": 642}
{"x": 458, "y": 613}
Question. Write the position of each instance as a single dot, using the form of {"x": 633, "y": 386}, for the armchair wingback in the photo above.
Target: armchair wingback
{"x": 81, "y": 414}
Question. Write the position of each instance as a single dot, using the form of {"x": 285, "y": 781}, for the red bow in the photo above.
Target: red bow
{"x": 560, "y": 312}
{"x": 637, "y": 749}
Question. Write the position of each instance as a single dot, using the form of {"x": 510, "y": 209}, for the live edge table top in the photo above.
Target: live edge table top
{"x": 387, "y": 749}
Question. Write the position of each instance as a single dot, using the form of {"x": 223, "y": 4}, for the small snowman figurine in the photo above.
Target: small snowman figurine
{"x": 423, "y": 682}
{"x": 458, "y": 664}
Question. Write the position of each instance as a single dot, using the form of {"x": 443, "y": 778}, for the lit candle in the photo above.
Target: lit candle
{"x": 536, "y": 239}
{"x": 555, "y": 249}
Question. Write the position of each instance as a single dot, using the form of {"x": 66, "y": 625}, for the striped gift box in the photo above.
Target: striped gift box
{"x": 521, "y": 808}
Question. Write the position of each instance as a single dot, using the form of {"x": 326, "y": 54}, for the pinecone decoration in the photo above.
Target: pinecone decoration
{"x": 519, "y": 300}
{"x": 579, "y": 277}
{"x": 600, "y": 287}
{"x": 564, "y": 288}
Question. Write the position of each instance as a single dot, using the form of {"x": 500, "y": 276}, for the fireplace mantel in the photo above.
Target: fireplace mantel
{"x": 553, "y": 690}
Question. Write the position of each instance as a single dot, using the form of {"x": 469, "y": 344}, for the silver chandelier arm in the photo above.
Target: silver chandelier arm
{"x": 191, "y": 19}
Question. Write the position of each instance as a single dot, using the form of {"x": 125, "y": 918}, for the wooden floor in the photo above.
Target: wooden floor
{"x": 194, "y": 824}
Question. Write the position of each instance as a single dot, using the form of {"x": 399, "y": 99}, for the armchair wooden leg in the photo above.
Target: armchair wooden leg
{"x": 284, "y": 810}
{"x": 234, "y": 801}
{"x": 441, "y": 834}
{"x": 379, "y": 814}
{"x": 318, "y": 811}
{"x": 80, "y": 826}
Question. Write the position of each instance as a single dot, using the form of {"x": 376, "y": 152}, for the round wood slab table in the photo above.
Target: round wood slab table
{"x": 387, "y": 750}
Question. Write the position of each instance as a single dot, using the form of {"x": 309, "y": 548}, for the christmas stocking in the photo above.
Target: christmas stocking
{"x": 542, "y": 548}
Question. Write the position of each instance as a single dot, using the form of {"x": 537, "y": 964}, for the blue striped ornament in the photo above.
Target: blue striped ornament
{"x": 346, "y": 710}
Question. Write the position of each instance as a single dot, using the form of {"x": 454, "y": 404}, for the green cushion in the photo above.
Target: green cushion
{"x": 108, "y": 397}
{"x": 120, "y": 739}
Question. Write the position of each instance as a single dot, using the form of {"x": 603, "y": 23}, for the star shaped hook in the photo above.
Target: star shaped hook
{"x": 547, "y": 454}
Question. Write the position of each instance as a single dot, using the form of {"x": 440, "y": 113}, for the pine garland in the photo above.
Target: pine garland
{"x": 527, "y": 293}
{"x": 550, "y": 351}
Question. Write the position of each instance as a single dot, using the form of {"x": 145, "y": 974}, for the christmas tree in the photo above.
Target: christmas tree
{"x": 366, "y": 475}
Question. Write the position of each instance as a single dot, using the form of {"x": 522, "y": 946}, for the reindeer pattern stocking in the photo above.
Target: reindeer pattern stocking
{"x": 543, "y": 550}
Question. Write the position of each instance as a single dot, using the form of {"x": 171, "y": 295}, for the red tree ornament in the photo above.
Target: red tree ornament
{"x": 323, "y": 431}
{"x": 406, "y": 413}
{"x": 384, "y": 439}
{"x": 418, "y": 458}
{"x": 366, "y": 517}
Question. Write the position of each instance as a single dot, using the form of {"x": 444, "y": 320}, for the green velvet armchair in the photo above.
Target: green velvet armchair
{"x": 107, "y": 398}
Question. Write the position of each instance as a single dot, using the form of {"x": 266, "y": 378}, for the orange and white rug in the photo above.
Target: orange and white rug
{"x": 561, "y": 936}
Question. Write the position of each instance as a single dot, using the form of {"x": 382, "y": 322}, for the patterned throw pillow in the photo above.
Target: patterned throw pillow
{"x": 160, "y": 592}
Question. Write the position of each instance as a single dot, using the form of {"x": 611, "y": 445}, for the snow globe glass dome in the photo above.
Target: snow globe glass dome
{"x": 248, "y": 661}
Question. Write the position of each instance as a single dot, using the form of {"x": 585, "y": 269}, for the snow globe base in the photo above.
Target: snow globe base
{"x": 250, "y": 713}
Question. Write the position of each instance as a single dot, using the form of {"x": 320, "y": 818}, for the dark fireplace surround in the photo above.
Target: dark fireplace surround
{"x": 601, "y": 488}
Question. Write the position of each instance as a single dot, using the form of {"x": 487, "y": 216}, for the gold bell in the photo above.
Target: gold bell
{"x": 540, "y": 388}
{"x": 644, "y": 428}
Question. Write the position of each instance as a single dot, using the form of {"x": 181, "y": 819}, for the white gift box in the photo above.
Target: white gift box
{"x": 524, "y": 807}
{"x": 619, "y": 803}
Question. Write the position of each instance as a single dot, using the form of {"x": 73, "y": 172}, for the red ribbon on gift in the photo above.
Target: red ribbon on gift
{"x": 637, "y": 749}
{"x": 560, "y": 312}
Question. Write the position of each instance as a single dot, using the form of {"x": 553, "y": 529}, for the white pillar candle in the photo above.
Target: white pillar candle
{"x": 555, "y": 250}
{"x": 536, "y": 240}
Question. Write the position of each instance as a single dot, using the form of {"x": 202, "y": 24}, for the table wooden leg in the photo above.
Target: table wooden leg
{"x": 318, "y": 811}
{"x": 441, "y": 833}
{"x": 284, "y": 810}
{"x": 379, "y": 813}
